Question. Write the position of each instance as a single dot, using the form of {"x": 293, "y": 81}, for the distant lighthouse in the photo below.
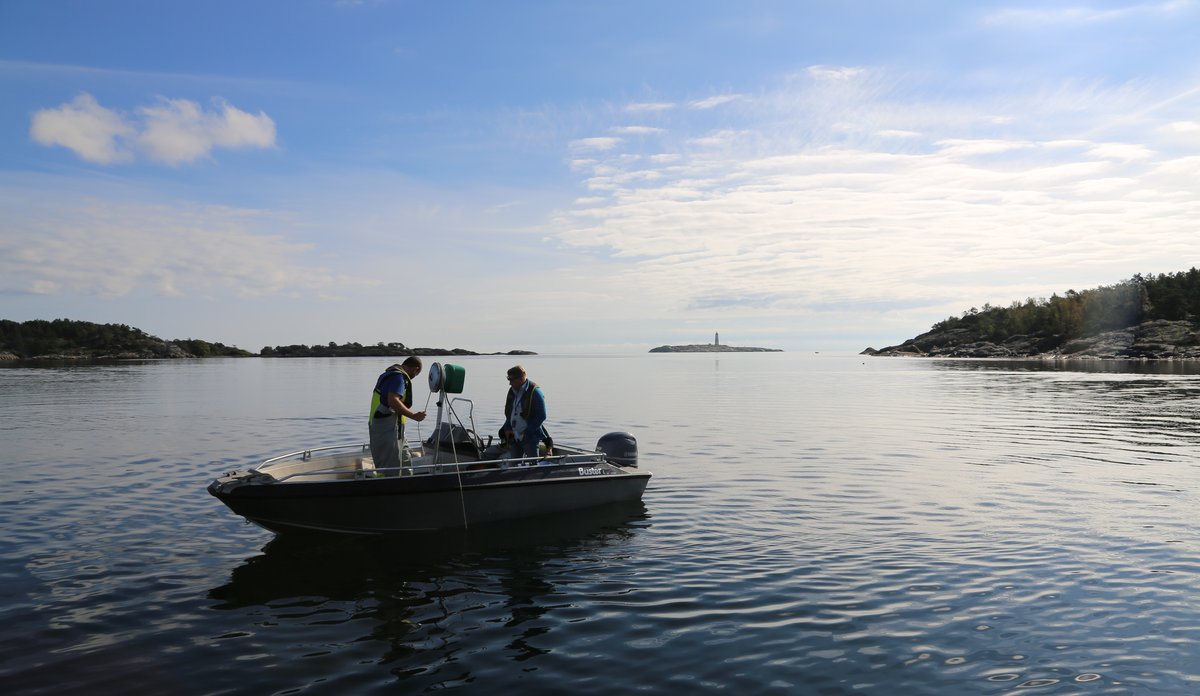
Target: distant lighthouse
{"x": 717, "y": 338}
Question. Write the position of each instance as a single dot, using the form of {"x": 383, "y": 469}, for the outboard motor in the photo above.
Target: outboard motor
{"x": 618, "y": 448}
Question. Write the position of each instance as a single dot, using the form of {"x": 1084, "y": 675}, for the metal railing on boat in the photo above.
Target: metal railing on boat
{"x": 306, "y": 454}
{"x": 472, "y": 466}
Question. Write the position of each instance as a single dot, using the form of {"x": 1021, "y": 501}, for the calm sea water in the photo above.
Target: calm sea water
{"x": 815, "y": 525}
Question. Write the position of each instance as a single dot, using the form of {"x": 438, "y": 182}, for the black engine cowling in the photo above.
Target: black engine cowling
{"x": 619, "y": 448}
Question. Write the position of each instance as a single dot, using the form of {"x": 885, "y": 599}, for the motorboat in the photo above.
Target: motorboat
{"x": 453, "y": 480}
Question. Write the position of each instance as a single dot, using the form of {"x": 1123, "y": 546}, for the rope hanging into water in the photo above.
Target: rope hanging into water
{"x": 421, "y": 438}
{"x": 462, "y": 500}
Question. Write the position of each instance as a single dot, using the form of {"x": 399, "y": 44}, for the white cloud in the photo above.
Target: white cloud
{"x": 174, "y": 131}
{"x": 713, "y": 102}
{"x": 178, "y": 131}
{"x": 594, "y": 144}
{"x": 721, "y": 138}
{"x": 1182, "y": 128}
{"x": 763, "y": 221}
{"x": 649, "y": 106}
{"x": 1083, "y": 14}
{"x": 829, "y": 72}
{"x": 93, "y": 132}
{"x": 637, "y": 130}
{"x": 1121, "y": 151}
{"x": 106, "y": 248}
{"x": 961, "y": 147}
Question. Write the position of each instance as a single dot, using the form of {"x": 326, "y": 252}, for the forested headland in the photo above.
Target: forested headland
{"x": 67, "y": 339}
{"x": 339, "y": 350}
{"x": 1145, "y": 317}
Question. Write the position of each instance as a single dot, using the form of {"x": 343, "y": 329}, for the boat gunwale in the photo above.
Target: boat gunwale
{"x": 571, "y": 457}
{"x": 404, "y": 486}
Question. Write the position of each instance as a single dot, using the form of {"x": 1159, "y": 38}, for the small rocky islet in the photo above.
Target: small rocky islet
{"x": 711, "y": 348}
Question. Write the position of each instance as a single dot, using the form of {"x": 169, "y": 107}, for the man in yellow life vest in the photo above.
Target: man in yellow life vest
{"x": 391, "y": 404}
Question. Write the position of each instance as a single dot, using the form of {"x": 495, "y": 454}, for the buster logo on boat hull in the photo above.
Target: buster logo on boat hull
{"x": 592, "y": 471}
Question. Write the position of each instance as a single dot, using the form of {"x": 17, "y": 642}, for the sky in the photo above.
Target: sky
{"x": 587, "y": 177}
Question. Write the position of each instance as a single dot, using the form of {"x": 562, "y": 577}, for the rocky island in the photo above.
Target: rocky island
{"x": 1143, "y": 318}
{"x": 715, "y": 347}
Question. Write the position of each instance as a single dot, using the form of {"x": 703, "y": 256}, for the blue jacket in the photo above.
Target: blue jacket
{"x": 533, "y": 409}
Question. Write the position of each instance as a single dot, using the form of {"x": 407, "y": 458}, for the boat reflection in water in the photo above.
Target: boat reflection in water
{"x": 430, "y": 610}
{"x": 454, "y": 480}
{"x": 322, "y": 566}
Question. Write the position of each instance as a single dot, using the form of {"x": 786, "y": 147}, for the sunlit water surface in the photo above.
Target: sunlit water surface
{"x": 815, "y": 524}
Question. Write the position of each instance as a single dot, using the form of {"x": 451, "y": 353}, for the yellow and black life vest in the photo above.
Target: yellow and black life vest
{"x": 377, "y": 395}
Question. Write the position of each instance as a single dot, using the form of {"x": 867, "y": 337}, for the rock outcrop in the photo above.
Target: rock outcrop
{"x": 1150, "y": 340}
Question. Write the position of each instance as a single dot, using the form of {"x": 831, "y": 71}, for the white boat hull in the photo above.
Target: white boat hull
{"x": 342, "y": 492}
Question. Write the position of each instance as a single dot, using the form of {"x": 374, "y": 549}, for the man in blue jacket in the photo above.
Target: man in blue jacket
{"x": 524, "y": 414}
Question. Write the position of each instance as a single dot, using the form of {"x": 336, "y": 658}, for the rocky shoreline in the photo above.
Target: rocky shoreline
{"x": 166, "y": 352}
{"x": 1150, "y": 340}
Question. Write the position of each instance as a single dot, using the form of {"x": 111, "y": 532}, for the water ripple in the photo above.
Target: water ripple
{"x": 842, "y": 526}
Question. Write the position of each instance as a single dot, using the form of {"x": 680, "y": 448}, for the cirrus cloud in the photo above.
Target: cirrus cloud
{"x": 713, "y": 102}
{"x": 802, "y": 211}
{"x": 1083, "y": 14}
